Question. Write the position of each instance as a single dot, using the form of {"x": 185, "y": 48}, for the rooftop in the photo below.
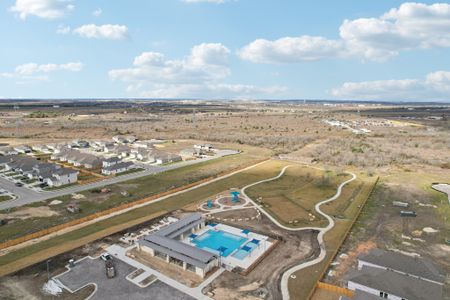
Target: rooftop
{"x": 163, "y": 241}
{"x": 397, "y": 284}
{"x": 418, "y": 266}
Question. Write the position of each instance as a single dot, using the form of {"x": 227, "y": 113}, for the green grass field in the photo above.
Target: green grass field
{"x": 291, "y": 198}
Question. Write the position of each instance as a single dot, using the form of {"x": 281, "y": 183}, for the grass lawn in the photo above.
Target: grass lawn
{"x": 4, "y": 198}
{"x": 291, "y": 198}
{"x": 347, "y": 206}
{"x": 131, "y": 171}
{"x": 32, "y": 254}
{"x": 136, "y": 188}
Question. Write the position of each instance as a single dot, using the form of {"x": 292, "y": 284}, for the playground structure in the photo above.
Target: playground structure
{"x": 235, "y": 196}
{"x": 224, "y": 201}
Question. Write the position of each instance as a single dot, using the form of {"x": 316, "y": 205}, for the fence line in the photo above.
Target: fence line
{"x": 332, "y": 257}
{"x": 102, "y": 213}
{"x": 335, "y": 289}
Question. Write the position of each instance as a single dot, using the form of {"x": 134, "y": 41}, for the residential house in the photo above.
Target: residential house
{"x": 140, "y": 153}
{"x": 111, "y": 161}
{"x": 23, "y": 149}
{"x": 90, "y": 161}
{"x": 205, "y": 147}
{"x": 109, "y": 148}
{"x": 191, "y": 153}
{"x": 124, "y": 139}
{"x": 62, "y": 176}
{"x": 391, "y": 275}
{"x": 148, "y": 144}
{"x": 21, "y": 164}
{"x": 41, "y": 148}
{"x": 118, "y": 168}
{"x": 4, "y": 159}
{"x": 122, "y": 151}
{"x": 42, "y": 169}
{"x": 165, "y": 158}
{"x": 6, "y": 150}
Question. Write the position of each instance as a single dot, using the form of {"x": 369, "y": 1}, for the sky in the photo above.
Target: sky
{"x": 225, "y": 49}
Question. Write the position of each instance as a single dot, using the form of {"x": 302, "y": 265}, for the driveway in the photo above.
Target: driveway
{"x": 27, "y": 196}
{"x": 92, "y": 271}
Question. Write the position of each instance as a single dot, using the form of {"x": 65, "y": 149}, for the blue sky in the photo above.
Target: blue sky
{"x": 359, "y": 49}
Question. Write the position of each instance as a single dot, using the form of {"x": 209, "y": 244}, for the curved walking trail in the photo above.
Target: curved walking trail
{"x": 322, "y": 231}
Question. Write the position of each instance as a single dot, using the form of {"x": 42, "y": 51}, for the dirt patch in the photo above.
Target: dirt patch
{"x": 237, "y": 214}
{"x": 31, "y": 212}
{"x": 348, "y": 260}
{"x": 176, "y": 272}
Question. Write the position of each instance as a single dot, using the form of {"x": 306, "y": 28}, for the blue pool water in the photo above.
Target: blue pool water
{"x": 213, "y": 240}
{"x": 241, "y": 254}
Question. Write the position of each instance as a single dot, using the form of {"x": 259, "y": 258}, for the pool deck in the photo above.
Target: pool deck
{"x": 231, "y": 261}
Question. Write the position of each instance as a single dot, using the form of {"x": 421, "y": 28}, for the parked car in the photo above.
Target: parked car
{"x": 106, "y": 256}
{"x": 19, "y": 184}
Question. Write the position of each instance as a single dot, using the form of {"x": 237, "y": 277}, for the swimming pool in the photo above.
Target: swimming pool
{"x": 213, "y": 241}
{"x": 241, "y": 253}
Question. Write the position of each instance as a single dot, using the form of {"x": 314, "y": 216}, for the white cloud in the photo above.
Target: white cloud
{"x": 62, "y": 29}
{"x": 409, "y": 27}
{"x": 107, "y": 31}
{"x": 291, "y": 49}
{"x": 200, "y": 74}
{"x": 38, "y": 72}
{"x": 97, "y": 12}
{"x": 435, "y": 86}
{"x": 46, "y": 9}
{"x": 206, "y": 62}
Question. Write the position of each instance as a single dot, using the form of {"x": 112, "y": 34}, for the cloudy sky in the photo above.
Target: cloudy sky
{"x": 271, "y": 49}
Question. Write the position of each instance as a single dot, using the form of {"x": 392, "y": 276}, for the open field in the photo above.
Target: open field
{"x": 291, "y": 198}
{"x": 93, "y": 201}
{"x": 65, "y": 242}
{"x": 350, "y": 201}
{"x": 380, "y": 225}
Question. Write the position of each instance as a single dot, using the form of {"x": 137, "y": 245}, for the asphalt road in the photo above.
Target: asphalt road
{"x": 27, "y": 196}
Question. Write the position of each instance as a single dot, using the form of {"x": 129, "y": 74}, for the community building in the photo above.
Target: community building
{"x": 167, "y": 245}
{"x": 199, "y": 247}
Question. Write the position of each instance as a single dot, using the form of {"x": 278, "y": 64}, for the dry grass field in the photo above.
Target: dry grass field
{"x": 291, "y": 198}
{"x": 407, "y": 149}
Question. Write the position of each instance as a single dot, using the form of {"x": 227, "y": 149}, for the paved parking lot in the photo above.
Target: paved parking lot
{"x": 93, "y": 271}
